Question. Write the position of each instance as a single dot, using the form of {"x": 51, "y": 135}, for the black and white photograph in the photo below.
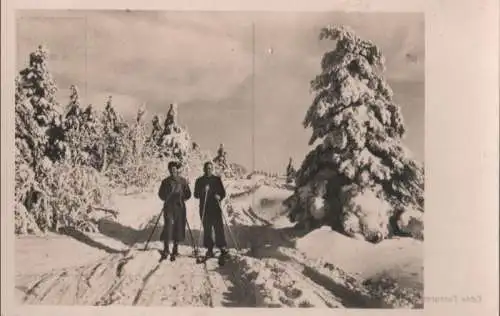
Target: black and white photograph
{"x": 219, "y": 158}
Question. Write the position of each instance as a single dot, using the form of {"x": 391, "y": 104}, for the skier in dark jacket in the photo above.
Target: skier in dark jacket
{"x": 210, "y": 191}
{"x": 174, "y": 191}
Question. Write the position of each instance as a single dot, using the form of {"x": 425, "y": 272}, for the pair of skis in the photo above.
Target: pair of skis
{"x": 164, "y": 256}
{"x": 174, "y": 255}
{"x": 221, "y": 259}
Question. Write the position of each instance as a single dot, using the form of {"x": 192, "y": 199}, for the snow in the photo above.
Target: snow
{"x": 362, "y": 258}
{"x": 278, "y": 265}
{"x": 412, "y": 222}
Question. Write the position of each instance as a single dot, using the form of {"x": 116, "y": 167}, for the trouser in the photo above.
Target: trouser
{"x": 213, "y": 220}
{"x": 169, "y": 233}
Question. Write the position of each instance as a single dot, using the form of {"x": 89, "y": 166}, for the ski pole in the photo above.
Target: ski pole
{"x": 204, "y": 210}
{"x": 229, "y": 228}
{"x": 193, "y": 243}
{"x": 203, "y": 215}
{"x": 231, "y": 233}
{"x": 154, "y": 228}
{"x": 156, "y": 224}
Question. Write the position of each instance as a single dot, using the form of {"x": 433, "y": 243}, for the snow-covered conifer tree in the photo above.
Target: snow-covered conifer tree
{"x": 174, "y": 141}
{"x": 37, "y": 110}
{"x": 360, "y": 174}
{"x": 115, "y": 131}
{"x": 290, "y": 171}
{"x": 222, "y": 166}
{"x": 73, "y": 123}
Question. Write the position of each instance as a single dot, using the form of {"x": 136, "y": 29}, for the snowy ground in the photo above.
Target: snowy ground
{"x": 277, "y": 265}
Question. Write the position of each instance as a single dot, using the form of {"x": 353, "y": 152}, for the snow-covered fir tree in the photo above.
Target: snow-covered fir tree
{"x": 359, "y": 175}
{"x": 172, "y": 141}
{"x": 38, "y": 114}
{"x": 91, "y": 138}
{"x": 40, "y": 88}
{"x": 73, "y": 116}
{"x": 154, "y": 138}
{"x": 222, "y": 166}
{"x": 115, "y": 131}
{"x": 290, "y": 171}
{"x": 138, "y": 134}
{"x": 73, "y": 128}
{"x": 39, "y": 139}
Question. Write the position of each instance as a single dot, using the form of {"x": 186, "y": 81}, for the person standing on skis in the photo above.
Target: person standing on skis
{"x": 174, "y": 192}
{"x": 210, "y": 191}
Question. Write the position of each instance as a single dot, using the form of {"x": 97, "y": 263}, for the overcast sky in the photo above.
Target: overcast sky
{"x": 203, "y": 62}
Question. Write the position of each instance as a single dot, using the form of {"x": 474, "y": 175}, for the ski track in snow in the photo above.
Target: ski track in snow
{"x": 268, "y": 273}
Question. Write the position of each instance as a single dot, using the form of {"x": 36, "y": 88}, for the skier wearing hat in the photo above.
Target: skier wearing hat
{"x": 210, "y": 191}
{"x": 174, "y": 192}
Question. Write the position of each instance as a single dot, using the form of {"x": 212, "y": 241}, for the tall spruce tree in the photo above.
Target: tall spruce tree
{"x": 38, "y": 135}
{"x": 360, "y": 174}
{"x": 173, "y": 141}
{"x": 115, "y": 131}
{"x": 73, "y": 128}
{"x": 138, "y": 134}
{"x": 290, "y": 171}
{"x": 222, "y": 166}
{"x": 92, "y": 144}
{"x": 38, "y": 114}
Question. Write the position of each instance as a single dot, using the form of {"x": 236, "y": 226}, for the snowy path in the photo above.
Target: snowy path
{"x": 268, "y": 272}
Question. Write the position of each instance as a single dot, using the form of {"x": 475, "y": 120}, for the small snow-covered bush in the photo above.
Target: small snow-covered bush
{"x": 366, "y": 212}
{"x": 412, "y": 222}
{"x": 64, "y": 197}
{"x": 69, "y": 193}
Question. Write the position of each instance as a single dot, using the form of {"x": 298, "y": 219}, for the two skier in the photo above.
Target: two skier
{"x": 174, "y": 192}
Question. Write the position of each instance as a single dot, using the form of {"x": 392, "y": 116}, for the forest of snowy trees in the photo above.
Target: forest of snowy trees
{"x": 70, "y": 157}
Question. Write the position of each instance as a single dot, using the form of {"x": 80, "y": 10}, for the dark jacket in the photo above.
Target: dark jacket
{"x": 174, "y": 192}
{"x": 215, "y": 186}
